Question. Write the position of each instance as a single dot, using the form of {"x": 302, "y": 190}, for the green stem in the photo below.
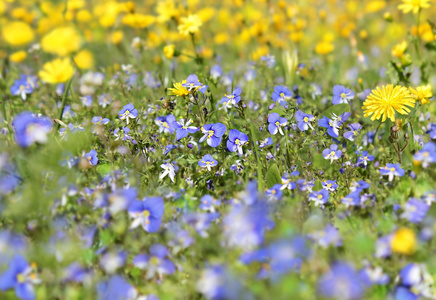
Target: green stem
{"x": 64, "y": 98}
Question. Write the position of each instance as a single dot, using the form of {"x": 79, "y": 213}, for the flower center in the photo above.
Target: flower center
{"x": 306, "y": 119}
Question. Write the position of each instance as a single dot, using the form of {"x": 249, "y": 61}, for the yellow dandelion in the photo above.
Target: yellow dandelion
{"x": 169, "y": 51}
{"x": 399, "y": 49}
{"x": 413, "y": 5}
{"x": 62, "y": 41}
{"x": 136, "y": 20}
{"x": 404, "y": 241}
{"x": 422, "y": 93}
{"x": 57, "y": 71}
{"x": 17, "y": 33}
{"x": 178, "y": 89}
{"x": 324, "y": 47}
{"x": 385, "y": 101}
{"x": 18, "y": 56}
{"x": 189, "y": 25}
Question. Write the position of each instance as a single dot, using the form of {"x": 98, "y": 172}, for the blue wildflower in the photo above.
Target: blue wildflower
{"x": 320, "y": 197}
{"x": 333, "y": 124}
{"x": 332, "y": 153}
{"x": 207, "y": 162}
{"x": 281, "y": 94}
{"x": 147, "y": 213}
{"x": 91, "y": 156}
{"x": 354, "y": 131}
{"x": 213, "y": 133}
{"x": 232, "y": 99}
{"x": 276, "y": 123}
{"x": 329, "y": 185}
{"x": 20, "y": 276}
{"x": 266, "y": 142}
{"x": 341, "y": 95}
{"x": 166, "y": 123}
{"x": 128, "y": 112}
{"x": 22, "y": 87}
{"x": 236, "y": 140}
{"x": 392, "y": 170}
{"x": 304, "y": 120}
{"x": 274, "y": 193}
{"x": 30, "y": 129}
{"x": 192, "y": 83}
{"x": 182, "y": 128}
{"x": 415, "y": 210}
{"x": 364, "y": 158}
{"x": 427, "y": 155}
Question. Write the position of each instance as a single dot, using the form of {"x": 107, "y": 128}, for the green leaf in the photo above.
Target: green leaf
{"x": 273, "y": 176}
{"x": 278, "y": 109}
{"x": 431, "y": 46}
{"x": 337, "y": 110}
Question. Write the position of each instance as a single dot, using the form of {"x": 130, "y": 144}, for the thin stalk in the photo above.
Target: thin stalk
{"x": 64, "y": 98}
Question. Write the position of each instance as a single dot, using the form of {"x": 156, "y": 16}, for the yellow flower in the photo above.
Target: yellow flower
{"x": 324, "y": 48}
{"x": 138, "y": 20}
{"x": 413, "y": 5}
{"x": 399, "y": 49}
{"x": 117, "y": 36}
{"x": 18, "y": 56}
{"x": 386, "y": 101}
{"x": 404, "y": 241}
{"x": 84, "y": 59}
{"x": 57, "y": 71}
{"x": 178, "y": 90}
{"x": 61, "y": 41}
{"x": 169, "y": 51}
{"x": 189, "y": 25}
{"x": 422, "y": 93}
{"x": 17, "y": 33}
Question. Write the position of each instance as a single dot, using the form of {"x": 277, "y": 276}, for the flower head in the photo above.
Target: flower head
{"x": 392, "y": 170}
{"x": 304, "y": 120}
{"x": 147, "y": 213}
{"x": 276, "y": 123}
{"x": 341, "y": 94}
{"x": 178, "y": 89}
{"x": 91, "y": 156}
{"x": 57, "y": 71}
{"x": 30, "y": 129}
{"x": 422, "y": 93}
{"x": 189, "y": 25}
{"x": 236, "y": 140}
{"x": 128, "y": 112}
{"x": 281, "y": 94}
{"x": 213, "y": 134}
{"x": 413, "y": 5}
{"x": 387, "y": 100}
{"x": 332, "y": 153}
{"x": 207, "y": 162}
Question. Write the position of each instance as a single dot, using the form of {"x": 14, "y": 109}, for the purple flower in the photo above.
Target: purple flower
{"x": 166, "y": 123}
{"x": 122, "y": 133}
{"x": 365, "y": 158}
{"x": 352, "y": 199}
{"x": 156, "y": 262}
{"x": 91, "y": 156}
{"x": 266, "y": 142}
{"x": 232, "y": 99}
{"x": 99, "y": 120}
{"x": 427, "y": 155}
{"x": 192, "y": 82}
{"x": 281, "y": 94}
{"x": 276, "y": 123}
{"x": 208, "y": 203}
{"x": 360, "y": 185}
{"x": 128, "y": 112}
{"x": 213, "y": 133}
{"x": 326, "y": 237}
{"x": 274, "y": 193}
{"x": 392, "y": 170}
{"x": 207, "y": 162}
{"x": 182, "y": 128}
{"x": 23, "y": 86}
{"x": 304, "y": 120}
{"x": 329, "y": 185}
{"x": 236, "y": 140}
{"x": 147, "y": 213}
{"x": 341, "y": 95}
{"x": 116, "y": 288}
{"x": 217, "y": 282}
{"x": 319, "y": 197}
{"x": 354, "y": 131}
{"x": 20, "y": 276}
{"x": 111, "y": 261}
{"x": 332, "y": 153}
{"x": 333, "y": 124}
{"x": 30, "y": 129}
{"x": 341, "y": 282}
{"x": 216, "y": 72}
{"x": 415, "y": 210}
{"x": 287, "y": 182}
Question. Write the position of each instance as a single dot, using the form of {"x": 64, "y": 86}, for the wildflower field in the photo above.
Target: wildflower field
{"x": 234, "y": 149}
